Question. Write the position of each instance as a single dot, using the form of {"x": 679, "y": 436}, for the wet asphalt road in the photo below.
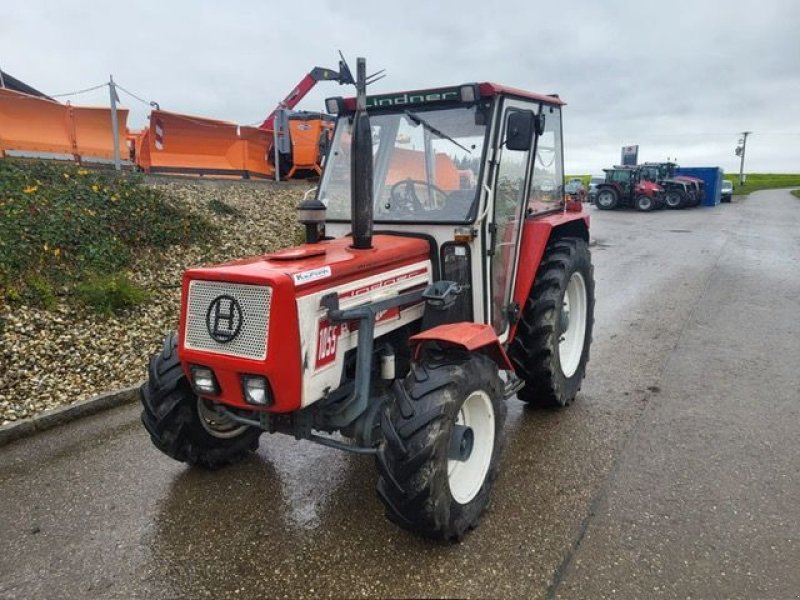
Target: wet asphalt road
{"x": 676, "y": 473}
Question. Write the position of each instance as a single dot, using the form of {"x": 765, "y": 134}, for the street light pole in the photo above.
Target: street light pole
{"x": 741, "y": 164}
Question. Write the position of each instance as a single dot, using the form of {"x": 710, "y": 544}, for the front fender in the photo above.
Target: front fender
{"x": 473, "y": 337}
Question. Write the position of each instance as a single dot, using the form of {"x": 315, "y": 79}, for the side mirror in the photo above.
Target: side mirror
{"x": 519, "y": 130}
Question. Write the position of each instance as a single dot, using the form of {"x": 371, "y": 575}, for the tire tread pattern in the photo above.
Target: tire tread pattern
{"x": 412, "y": 459}
{"x": 169, "y": 414}
{"x": 533, "y": 352}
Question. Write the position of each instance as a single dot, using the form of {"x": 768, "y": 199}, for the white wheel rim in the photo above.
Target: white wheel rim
{"x": 570, "y": 347}
{"x": 645, "y": 203}
{"x": 604, "y": 199}
{"x": 466, "y": 477}
{"x": 217, "y": 424}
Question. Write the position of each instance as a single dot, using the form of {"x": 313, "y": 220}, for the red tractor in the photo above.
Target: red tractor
{"x": 624, "y": 187}
{"x": 412, "y": 313}
{"x": 680, "y": 191}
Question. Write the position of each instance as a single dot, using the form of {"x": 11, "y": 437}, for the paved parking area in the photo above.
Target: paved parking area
{"x": 676, "y": 473}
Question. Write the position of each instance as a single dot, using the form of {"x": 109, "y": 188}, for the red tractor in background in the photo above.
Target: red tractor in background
{"x": 680, "y": 191}
{"x": 411, "y": 314}
{"x": 625, "y": 187}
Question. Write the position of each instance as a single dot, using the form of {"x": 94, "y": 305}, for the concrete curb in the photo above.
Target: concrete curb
{"x": 65, "y": 414}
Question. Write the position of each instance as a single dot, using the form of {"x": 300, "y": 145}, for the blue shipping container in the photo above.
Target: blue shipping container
{"x": 711, "y": 176}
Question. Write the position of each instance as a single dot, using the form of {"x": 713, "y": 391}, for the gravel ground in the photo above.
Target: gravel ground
{"x": 53, "y": 358}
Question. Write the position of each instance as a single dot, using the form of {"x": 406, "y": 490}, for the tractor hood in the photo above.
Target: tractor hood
{"x": 263, "y": 315}
{"x": 648, "y": 187}
{"x": 313, "y": 266}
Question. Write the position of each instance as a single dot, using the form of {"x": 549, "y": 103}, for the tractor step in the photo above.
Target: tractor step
{"x": 513, "y": 385}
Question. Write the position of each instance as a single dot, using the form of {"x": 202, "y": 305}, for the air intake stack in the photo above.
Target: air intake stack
{"x": 361, "y": 165}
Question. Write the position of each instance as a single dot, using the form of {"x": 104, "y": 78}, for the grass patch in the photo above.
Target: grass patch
{"x": 796, "y": 193}
{"x": 219, "y": 207}
{"x": 62, "y": 226}
{"x": 762, "y": 181}
{"x": 110, "y": 293}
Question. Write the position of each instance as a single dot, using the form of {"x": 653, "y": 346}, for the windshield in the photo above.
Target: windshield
{"x": 426, "y": 165}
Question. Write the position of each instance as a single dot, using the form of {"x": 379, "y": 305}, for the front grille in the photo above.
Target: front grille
{"x": 249, "y": 339}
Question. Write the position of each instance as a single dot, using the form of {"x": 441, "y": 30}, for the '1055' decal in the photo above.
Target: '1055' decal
{"x": 328, "y": 335}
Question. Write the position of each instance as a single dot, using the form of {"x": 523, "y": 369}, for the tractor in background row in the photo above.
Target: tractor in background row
{"x": 625, "y": 187}
{"x": 442, "y": 275}
{"x": 680, "y": 191}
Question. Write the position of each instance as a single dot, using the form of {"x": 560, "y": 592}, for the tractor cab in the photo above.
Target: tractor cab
{"x": 461, "y": 166}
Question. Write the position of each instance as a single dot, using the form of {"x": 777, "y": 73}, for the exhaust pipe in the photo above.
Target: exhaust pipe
{"x": 361, "y": 165}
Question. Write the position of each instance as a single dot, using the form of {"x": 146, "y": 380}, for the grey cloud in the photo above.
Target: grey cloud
{"x": 679, "y": 78}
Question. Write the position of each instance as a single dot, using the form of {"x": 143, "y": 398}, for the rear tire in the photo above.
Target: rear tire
{"x": 183, "y": 426}
{"x": 422, "y": 488}
{"x": 606, "y": 200}
{"x": 551, "y": 348}
{"x": 675, "y": 199}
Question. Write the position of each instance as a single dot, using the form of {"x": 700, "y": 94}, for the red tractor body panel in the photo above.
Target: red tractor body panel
{"x": 647, "y": 188}
{"x": 472, "y": 337}
{"x": 291, "y": 274}
{"x": 536, "y": 233}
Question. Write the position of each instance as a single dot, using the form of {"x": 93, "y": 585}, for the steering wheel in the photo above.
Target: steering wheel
{"x": 408, "y": 200}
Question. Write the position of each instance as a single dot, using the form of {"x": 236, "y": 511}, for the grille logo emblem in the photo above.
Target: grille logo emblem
{"x": 224, "y": 319}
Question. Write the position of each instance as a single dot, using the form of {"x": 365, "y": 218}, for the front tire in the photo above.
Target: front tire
{"x": 184, "y": 426}
{"x": 644, "y": 203}
{"x": 551, "y": 347}
{"x": 423, "y": 487}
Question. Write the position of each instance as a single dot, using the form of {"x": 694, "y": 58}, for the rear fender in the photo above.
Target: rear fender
{"x": 536, "y": 234}
{"x": 473, "y": 337}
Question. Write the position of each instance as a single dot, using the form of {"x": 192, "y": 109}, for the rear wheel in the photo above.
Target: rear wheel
{"x": 184, "y": 426}
{"x": 442, "y": 439}
{"x": 606, "y": 199}
{"x": 674, "y": 199}
{"x": 551, "y": 347}
{"x": 644, "y": 203}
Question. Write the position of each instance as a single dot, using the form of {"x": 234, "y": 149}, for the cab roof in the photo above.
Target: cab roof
{"x": 485, "y": 90}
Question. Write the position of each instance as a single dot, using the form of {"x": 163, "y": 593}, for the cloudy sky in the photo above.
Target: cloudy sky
{"x": 679, "y": 78}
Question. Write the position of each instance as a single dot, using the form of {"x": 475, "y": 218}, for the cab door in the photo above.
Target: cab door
{"x": 510, "y": 184}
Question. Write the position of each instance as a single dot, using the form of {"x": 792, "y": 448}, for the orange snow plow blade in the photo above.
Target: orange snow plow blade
{"x": 30, "y": 126}
{"x": 176, "y": 143}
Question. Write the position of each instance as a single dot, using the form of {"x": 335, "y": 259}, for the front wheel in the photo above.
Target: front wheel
{"x": 184, "y": 426}
{"x": 442, "y": 439}
{"x": 644, "y": 203}
{"x": 551, "y": 346}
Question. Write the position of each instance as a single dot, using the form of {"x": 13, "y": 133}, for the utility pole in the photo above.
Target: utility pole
{"x": 740, "y": 150}
{"x": 112, "y": 90}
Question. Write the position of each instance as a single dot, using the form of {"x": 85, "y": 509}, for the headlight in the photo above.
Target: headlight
{"x": 203, "y": 381}
{"x": 256, "y": 390}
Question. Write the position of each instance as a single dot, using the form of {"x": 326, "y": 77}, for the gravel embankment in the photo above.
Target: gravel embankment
{"x": 53, "y": 358}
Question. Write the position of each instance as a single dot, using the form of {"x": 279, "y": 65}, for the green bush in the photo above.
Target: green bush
{"x": 110, "y": 293}
{"x": 61, "y": 224}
